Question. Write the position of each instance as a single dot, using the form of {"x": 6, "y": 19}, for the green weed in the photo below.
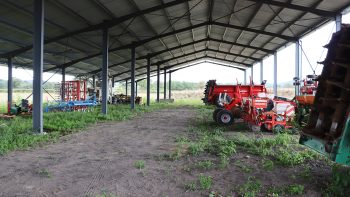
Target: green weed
{"x": 284, "y": 190}
{"x": 104, "y": 194}
{"x": 340, "y": 181}
{"x": 205, "y": 181}
{"x": 140, "y": 164}
{"x": 191, "y": 186}
{"x": 243, "y": 167}
{"x": 267, "y": 164}
{"x": 251, "y": 188}
{"x": 205, "y": 164}
{"x": 44, "y": 173}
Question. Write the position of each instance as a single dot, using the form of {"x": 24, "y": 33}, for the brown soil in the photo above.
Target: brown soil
{"x": 101, "y": 161}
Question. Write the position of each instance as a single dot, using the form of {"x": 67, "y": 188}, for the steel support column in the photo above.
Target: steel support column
{"x": 132, "y": 78}
{"x": 94, "y": 81}
{"x": 245, "y": 77}
{"x": 251, "y": 74}
{"x": 164, "y": 84}
{"x": 136, "y": 87}
{"x": 338, "y": 21}
{"x": 158, "y": 81}
{"x": 38, "y": 62}
{"x": 9, "y": 84}
{"x": 63, "y": 82}
{"x": 275, "y": 73}
{"x": 105, "y": 44}
{"x": 126, "y": 87}
{"x": 298, "y": 64}
{"x": 261, "y": 70}
{"x": 170, "y": 85}
{"x": 148, "y": 80}
{"x": 112, "y": 82}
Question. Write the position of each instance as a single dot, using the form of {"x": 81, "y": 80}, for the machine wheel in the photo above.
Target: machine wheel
{"x": 263, "y": 128}
{"x": 278, "y": 128}
{"x": 225, "y": 117}
{"x": 215, "y": 113}
{"x": 311, "y": 76}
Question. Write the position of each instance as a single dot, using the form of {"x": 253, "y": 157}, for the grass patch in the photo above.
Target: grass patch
{"x": 251, "y": 188}
{"x": 207, "y": 164}
{"x": 205, "y": 182}
{"x": 44, "y": 173}
{"x": 191, "y": 186}
{"x": 17, "y": 133}
{"x": 243, "y": 167}
{"x": 140, "y": 164}
{"x": 293, "y": 189}
{"x": 339, "y": 184}
{"x": 267, "y": 164}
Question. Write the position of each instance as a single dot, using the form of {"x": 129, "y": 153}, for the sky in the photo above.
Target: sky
{"x": 312, "y": 45}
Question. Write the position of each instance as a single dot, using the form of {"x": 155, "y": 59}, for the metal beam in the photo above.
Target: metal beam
{"x": 196, "y": 59}
{"x": 136, "y": 86}
{"x": 126, "y": 87}
{"x": 234, "y": 54}
{"x": 38, "y": 62}
{"x": 252, "y": 73}
{"x": 105, "y": 44}
{"x": 142, "y": 42}
{"x": 298, "y": 64}
{"x": 164, "y": 84}
{"x": 148, "y": 91}
{"x": 245, "y": 77}
{"x": 318, "y": 12}
{"x": 179, "y": 57}
{"x": 289, "y": 38}
{"x": 261, "y": 70}
{"x": 191, "y": 43}
{"x": 158, "y": 81}
{"x": 132, "y": 78}
{"x": 99, "y": 26}
{"x": 188, "y": 62}
{"x": 63, "y": 82}
{"x": 275, "y": 74}
{"x": 170, "y": 85}
{"x": 242, "y": 45}
{"x": 338, "y": 21}
{"x": 9, "y": 84}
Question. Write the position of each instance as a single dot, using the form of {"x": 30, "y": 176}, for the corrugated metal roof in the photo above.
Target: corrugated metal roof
{"x": 236, "y": 32}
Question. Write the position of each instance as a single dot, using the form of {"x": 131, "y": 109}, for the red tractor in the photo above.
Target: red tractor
{"x": 219, "y": 94}
{"x": 258, "y": 110}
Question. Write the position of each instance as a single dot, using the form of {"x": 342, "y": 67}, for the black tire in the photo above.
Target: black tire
{"x": 278, "y": 128}
{"x": 215, "y": 113}
{"x": 311, "y": 76}
{"x": 225, "y": 117}
{"x": 263, "y": 128}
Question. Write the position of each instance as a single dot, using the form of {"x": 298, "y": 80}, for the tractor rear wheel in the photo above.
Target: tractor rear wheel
{"x": 278, "y": 128}
{"x": 215, "y": 113}
{"x": 224, "y": 117}
{"x": 263, "y": 128}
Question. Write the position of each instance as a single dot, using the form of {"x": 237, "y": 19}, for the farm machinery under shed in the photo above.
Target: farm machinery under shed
{"x": 328, "y": 128}
{"x": 251, "y": 103}
{"x": 218, "y": 94}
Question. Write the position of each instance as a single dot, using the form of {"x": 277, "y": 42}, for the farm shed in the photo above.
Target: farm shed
{"x": 132, "y": 40}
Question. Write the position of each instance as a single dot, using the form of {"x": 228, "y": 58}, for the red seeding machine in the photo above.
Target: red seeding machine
{"x": 250, "y": 103}
{"x": 219, "y": 94}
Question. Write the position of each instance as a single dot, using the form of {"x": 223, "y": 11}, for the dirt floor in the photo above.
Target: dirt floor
{"x": 101, "y": 161}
